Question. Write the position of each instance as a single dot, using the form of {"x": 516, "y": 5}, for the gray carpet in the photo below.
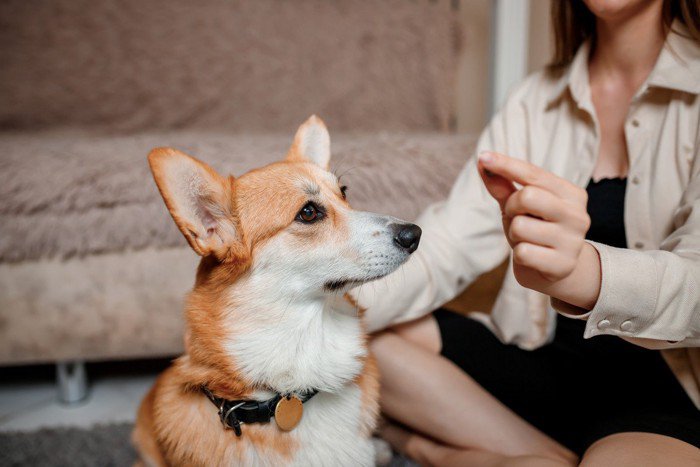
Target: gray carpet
{"x": 103, "y": 446}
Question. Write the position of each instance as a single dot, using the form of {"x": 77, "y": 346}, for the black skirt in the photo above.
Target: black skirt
{"x": 575, "y": 390}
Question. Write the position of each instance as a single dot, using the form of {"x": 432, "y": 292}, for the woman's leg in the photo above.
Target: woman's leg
{"x": 639, "y": 450}
{"x": 429, "y": 394}
{"x": 431, "y": 453}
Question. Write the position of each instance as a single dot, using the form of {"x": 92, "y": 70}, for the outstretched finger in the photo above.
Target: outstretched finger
{"x": 524, "y": 173}
{"x": 498, "y": 187}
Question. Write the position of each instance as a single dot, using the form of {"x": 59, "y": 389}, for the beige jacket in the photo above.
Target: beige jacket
{"x": 650, "y": 293}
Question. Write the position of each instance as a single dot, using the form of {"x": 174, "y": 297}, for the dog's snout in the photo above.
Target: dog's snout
{"x": 407, "y": 236}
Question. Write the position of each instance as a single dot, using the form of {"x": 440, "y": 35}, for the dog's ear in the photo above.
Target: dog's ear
{"x": 311, "y": 144}
{"x": 200, "y": 201}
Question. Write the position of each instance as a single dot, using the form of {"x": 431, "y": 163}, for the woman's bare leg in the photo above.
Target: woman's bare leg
{"x": 431, "y": 453}
{"x": 429, "y": 394}
{"x": 639, "y": 450}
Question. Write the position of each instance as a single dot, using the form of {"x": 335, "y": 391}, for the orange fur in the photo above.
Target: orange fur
{"x": 144, "y": 433}
{"x": 189, "y": 432}
{"x": 368, "y": 381}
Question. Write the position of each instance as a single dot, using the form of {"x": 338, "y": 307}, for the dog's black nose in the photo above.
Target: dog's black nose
{"x": 407, "y": 236}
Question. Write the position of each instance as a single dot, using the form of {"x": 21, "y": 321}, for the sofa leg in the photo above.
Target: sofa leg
{"x": 71, "y": 378}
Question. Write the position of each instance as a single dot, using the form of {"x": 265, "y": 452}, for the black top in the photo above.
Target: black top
{"x": 606, "y": 207}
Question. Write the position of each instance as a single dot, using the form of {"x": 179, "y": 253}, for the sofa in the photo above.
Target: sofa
{"x": 91, "y": 265}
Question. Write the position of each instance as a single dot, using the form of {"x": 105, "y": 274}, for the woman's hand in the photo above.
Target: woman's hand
{"x": 545, "y": 223}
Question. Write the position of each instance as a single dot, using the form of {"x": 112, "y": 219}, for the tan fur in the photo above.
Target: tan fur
{"x": 177, "y": 424}
{"x": 144, "y": 433}
{"x": 368, "y": 381}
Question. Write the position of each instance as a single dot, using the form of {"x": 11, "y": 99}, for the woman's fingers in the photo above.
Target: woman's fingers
{"x": 563, "y": 242}
{"x": 498, "y": 187}
{"x": 527, "y": 174}
{"x": 535, "y": 201}
{"x": 539, "y": 232}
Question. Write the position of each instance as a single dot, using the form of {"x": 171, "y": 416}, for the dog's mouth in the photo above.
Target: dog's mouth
{"x": 338, "y": 284}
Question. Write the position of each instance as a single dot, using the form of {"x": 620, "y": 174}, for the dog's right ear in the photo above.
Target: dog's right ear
{"x": 200, "y": 201}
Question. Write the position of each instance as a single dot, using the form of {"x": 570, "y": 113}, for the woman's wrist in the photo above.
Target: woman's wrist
{"x": 581, "y": 288}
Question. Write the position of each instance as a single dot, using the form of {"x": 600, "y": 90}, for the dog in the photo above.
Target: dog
{"x": 276, "y": 369}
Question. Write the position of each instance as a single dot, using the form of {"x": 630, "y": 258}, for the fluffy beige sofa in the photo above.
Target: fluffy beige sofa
{"x": 91, "y": 266}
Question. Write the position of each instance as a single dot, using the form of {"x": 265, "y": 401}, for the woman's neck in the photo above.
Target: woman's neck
{"x": 628, "y": 47}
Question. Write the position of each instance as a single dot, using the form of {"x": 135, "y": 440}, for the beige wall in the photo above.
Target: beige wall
{"x": 473, "y": 83}
{"x": 473, "y": 65}
{"x": 541, "y": 40}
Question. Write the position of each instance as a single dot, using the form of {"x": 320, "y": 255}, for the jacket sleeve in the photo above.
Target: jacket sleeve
{"x": 651, "y": 298}
{"x": 462, "y": 238}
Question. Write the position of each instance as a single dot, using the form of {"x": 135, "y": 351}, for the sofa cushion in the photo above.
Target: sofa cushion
{"x": 238, "y": 65}
{"x": 70, "y": 194}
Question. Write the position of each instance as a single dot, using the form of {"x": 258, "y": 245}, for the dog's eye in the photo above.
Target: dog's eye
{"x": 309, "y": 213}
{"x": 344, "y": 191}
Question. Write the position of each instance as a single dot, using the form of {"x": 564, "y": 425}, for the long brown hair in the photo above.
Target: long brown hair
{"x": 573, "y": 23}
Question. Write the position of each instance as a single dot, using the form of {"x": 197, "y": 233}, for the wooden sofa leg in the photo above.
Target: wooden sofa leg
{"x": 71, "y": 379}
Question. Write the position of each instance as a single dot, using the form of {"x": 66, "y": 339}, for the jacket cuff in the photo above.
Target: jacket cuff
{"x": 627, "y": 296}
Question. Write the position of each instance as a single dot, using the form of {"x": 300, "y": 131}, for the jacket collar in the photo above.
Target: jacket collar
{"x": 677, "y": 68}
{"x": 678, "y": 65}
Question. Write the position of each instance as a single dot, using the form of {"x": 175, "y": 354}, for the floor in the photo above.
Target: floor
{"x": 29, "y": 398}
{"x": 29, "y": 402}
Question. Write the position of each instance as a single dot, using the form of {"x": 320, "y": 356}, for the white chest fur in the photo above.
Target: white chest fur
{"x": 329, "y": 434}
{"x": 300, "y": 346}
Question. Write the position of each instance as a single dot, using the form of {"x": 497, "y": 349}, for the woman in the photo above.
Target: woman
{"x": 594, "y": 165}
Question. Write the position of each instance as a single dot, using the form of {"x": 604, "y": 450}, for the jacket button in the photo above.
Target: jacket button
{"x": 635, "y": 180}
{"x": 626, "y": 326}
{"x": 603, "y": 324}
{"x": 635, "y": 123}
{"x": 639, "y": 245}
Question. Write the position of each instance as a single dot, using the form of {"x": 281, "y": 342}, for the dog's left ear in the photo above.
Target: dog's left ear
{"x": 311, "y": 144}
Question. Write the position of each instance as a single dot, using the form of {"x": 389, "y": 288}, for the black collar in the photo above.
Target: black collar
{"x": 233, "y": 413}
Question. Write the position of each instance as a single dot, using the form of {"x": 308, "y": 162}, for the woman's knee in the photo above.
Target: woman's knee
{"x": 634, "y": 449}
{"x": 424, "y": 332}
{"x": 383, "y": 343}
{"x": 400, "y": 358}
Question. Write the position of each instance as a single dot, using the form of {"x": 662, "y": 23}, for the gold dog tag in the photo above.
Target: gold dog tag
{"x": 288, "y": 412}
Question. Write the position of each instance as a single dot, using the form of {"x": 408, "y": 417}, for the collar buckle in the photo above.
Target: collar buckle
{"x": 228, "y": 417}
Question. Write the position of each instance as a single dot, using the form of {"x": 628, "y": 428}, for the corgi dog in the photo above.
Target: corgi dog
{"x": 276, "y": 369}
